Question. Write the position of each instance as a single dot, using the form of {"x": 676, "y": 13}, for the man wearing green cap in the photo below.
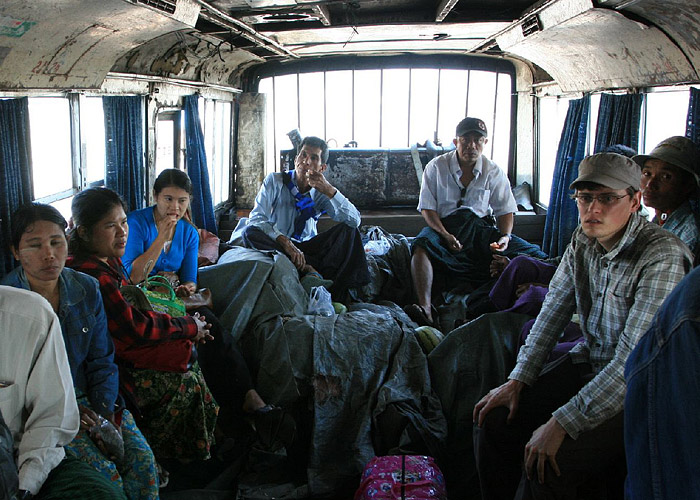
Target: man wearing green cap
{"x": 670, "y": 175}
{"x": 564, "y": 419}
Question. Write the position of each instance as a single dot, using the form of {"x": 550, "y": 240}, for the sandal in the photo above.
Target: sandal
{"x": 416, "y": 313}
{"x": 274, "y": 426}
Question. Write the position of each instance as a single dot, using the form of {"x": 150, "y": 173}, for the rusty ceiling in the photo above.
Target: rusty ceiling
{"x": 581, "y": 44}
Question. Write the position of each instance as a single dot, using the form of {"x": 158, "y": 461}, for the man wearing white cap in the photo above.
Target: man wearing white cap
{"x": 564, "y": 419}
{"x": 669, "y": 181}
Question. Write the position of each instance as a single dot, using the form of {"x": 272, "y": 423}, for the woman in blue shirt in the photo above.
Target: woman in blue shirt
{"x": 162, "y": 240}
{"x": 39, "y": 244}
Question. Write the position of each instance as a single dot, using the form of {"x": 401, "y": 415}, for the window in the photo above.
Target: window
{"x": 387, "y": 108}
{"x": 169, "y": 141}
{"x": 66, "y": 157}
{"x": 666, "y": 110}
{"x": 215, "y": 117}
{"x": 550, "y": 122}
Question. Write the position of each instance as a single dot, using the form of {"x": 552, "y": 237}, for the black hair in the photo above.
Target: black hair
{"x": 316, "y": 142}
{"x": 620, "y": 149}
{"x": 88, "y": 208}
{"x": 27, "y": 215}
{"x": 172, "y": 177}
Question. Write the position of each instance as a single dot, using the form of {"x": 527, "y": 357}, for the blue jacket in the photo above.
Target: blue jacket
{"x": 88, "y": 344}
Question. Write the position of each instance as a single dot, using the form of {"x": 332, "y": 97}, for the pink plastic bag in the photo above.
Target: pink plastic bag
{"x": 401, "y": 477}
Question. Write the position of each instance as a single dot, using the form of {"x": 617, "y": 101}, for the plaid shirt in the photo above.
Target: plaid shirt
{"x": 136, "y": 333}
{"x": 684, "y": 223}
{"x": 615, "y": 294}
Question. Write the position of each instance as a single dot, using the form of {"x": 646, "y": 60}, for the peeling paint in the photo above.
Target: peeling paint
{"x": 14, "y": 28}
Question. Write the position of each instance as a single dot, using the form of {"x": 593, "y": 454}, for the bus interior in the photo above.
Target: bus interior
{"x": 112, "y": 92}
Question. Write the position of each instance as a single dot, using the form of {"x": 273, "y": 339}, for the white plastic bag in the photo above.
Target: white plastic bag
{"x": 320, "y": 302}
{"x": 377, "y": 243}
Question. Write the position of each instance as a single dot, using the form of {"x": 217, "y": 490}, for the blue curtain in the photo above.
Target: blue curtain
{"x": 562, "y": 215}
{"x": 618, "y": 121}
{"x": 692, "y": 126}
{"x": 15, "y": 169}
{"x": 124, "y": 156}
{"x": 202, "y": 206}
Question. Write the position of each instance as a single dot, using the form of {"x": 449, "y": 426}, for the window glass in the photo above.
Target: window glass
{"x": 266, "y": 88}
{"x": 338, "y": 108}
{"x": 666, "y": 114}
{"x": 482, "y": 88}
{"x": 63, "y": 206}
{"x": 165, "y": 144}
{"x": 92, "y": 137}
{"x": 552, "y": 115}
{"x": 423, "y": 108}
{"x": 217, "y": 140}
{"x": 367, "y": 107}
{"x": 311, "y": 108}
{"x": 50, "y": 133}
{"x": 394, "y": 108}
{"x": 286, "y": 115}
{"x": 499, "y": 135}
{"x": 453, "y": 102}
{"x": 374, "y": 107}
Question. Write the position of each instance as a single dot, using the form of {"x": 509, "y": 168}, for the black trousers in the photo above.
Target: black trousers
{"x": 338, "y": 254}
{"x": 225, "y": 371}
{"x": 592, "y": 466}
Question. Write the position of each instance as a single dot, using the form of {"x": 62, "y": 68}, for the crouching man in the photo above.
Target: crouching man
{"x": 565, "y": 420}
{"x": 285, "y": 214}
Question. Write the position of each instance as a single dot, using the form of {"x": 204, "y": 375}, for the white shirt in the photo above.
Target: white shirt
{"x": 38, "y": 404}
{"x": 487, "y": 194}
{"x": 275, "y": 210}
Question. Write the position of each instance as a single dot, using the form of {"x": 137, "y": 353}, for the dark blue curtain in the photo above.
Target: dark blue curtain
{"x": 562, "y": 215}
{"x": 618, "y": 121}
{"x": 124, "y": 139}
{"x": 15, "y": 169}
{"x": 202, "y": 206}
{"x": 692, "y": 126}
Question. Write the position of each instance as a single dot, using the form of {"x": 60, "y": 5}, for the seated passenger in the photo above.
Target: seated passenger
{"x": 39, "y": 244}
{"x": 662, "y": 424}
{"x": 670, "y": 176}
{"x": 37, "y": 402}
{"x": 565, "y": 418}
{"x": 154, "y": 351}
{"x": 162, "y": 241}
{"x": 285, "y": 214}
{"x": 460, "y": 188}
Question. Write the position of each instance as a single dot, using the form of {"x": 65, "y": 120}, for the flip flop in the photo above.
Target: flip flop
{"x": 274, "y": 426}
{"x": 416, "y": 313}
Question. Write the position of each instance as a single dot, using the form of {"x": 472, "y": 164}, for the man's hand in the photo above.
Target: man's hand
{"x": 294, "y": 254}
{"x": 543, "y": 447}
{"x": 452, "y": 243}
{"x": 318, "y": 181}
{"x": 506, "y": 395}
{"x": 498, "y": 265}
{"x": 501, "y": 244}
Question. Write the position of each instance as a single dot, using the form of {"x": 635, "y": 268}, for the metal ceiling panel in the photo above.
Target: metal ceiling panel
{"x": 71, "y": 43}
{"x": 428, "y": 37}
{"x": 572, "y": 51}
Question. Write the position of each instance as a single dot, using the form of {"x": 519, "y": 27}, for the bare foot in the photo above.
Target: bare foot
{"x": 252, "y": 401}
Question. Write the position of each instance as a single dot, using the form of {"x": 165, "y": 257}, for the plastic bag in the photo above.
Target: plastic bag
{"x": 377, "y": 244}
{"x": 104, "y": 431}
{"x": 320, "y": 302}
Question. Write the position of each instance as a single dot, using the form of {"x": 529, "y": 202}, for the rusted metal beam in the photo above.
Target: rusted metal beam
{"x": 443, "y": 9}
{"x": 219, "y": 17}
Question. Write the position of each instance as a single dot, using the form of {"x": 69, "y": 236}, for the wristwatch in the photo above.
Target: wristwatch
{"x": 24, "y": 495}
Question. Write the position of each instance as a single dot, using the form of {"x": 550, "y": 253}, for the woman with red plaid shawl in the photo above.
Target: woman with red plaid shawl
{"x": 159, "y": 374}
